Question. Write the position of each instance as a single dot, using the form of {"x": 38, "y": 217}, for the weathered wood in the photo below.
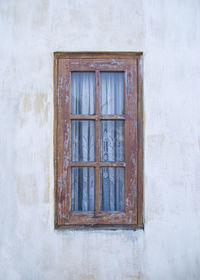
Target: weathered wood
{"x": 97, "y": 142}
{"x": 131, "y": 143}
{"x": 96, "y": 55}
{"x": 93, "y": 64}
{"x": 131, "y": 64}
{"x": 140, "y": 141}
{"x": 98, "y": 164}
{"x": 97, "y": 117}
{"x": 55, "y": 135}
{"x": 98, "y": 227}
{"x": 112, "y": 117}
{"x": 62, "y": 142}
{"x": 85, "y": 218}
{"x": 83, "y": 117}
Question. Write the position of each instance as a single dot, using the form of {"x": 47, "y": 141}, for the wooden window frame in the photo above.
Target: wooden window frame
{"x": 131, "y": 64}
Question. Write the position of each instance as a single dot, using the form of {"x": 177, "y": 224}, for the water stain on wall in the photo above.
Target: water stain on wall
{"x": 46, "y": 194}
{"x": 41, "y": 107}
{"x": 26, "y": 108}
{"x": 87, "y": 277}
{"x": 40, "y": 99}
{"x": 38, "y": 103}
{"x": 136, "y": 276}
{"x": 27, "y": 103}
{"x": 27, "y": 189}
{"x": 40, "y": 14}
{"x": 47, "y": 188}
{"x": 156, "y": 140}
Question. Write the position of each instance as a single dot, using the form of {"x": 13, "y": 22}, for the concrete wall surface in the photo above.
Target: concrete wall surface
{"x": 168, "y": 32}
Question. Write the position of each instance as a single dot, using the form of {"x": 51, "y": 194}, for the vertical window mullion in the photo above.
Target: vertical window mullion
{"x": 97, "y": 141}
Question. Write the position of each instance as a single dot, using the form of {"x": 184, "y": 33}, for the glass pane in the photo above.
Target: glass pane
{"x": 82, "y": 188}
{"x": 112, "y": 93}
{"x": 112, "y": 140}
{"x": 82, "y": 93}
{"x": 82, "y": 140}
{"x": 112, "y": 189}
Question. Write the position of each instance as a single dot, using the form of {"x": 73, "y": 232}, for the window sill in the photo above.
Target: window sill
{"x": 99, "y": 227}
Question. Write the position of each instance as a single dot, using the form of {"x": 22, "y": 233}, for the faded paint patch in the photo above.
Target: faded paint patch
{"x": 47, "y": 189}
{"x": 46, "y": 111}
{"x": 21, "y": 122}
{"x": 144, "y": 118}
{"x": 156, "y": 139}
{"x": 136, "y": 276}
{"x": 40, "y": 13}
{"x": 46, "y": 195}
{"x": 87, "y": 277}
{"x": 27, "y": 190}
{"x": 27, "y": 103}
{"x": 16, "y": 14}
{"x": 40, "y": 100}
{"x": 39, "y": 104}
{"x": 25, "y": 107}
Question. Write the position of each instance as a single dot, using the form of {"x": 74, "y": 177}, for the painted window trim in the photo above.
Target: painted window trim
{"x": 64, "y": 218}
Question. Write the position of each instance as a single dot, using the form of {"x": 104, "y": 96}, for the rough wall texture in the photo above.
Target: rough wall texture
{"x": 168, "y": 32}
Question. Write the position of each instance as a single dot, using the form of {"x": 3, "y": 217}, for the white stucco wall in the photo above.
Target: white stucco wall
{"x": 168, "y": 32}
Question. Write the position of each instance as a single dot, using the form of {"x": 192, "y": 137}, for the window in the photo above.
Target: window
{"x": 98, "y": 140}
